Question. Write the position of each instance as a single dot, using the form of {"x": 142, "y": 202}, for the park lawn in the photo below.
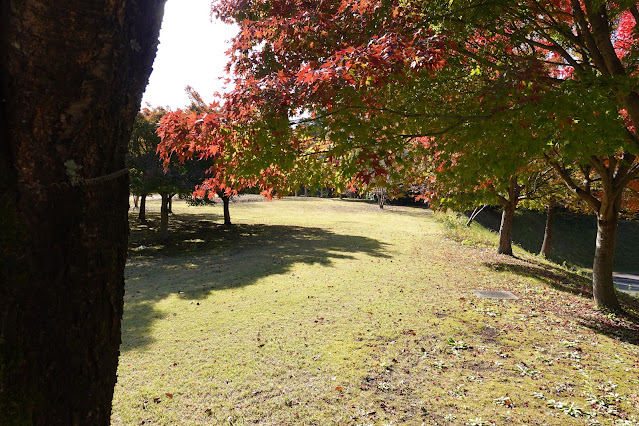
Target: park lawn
{"x": 326, "y": 311}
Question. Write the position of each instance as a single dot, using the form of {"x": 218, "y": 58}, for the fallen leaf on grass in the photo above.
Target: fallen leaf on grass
{"x": 170, "y": 395}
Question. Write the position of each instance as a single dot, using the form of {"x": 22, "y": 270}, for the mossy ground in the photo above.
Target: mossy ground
{"x": 319, "y": 311}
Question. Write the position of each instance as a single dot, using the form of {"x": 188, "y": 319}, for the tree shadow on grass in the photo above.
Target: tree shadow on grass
{"x": 201, "y": 257}
{"x": 624, "y": 326}
{"x": 557, "y": 278}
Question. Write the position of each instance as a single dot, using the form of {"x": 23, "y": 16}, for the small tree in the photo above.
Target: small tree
{"x": 150, "y": 174}
{"x": 192, "y": 135}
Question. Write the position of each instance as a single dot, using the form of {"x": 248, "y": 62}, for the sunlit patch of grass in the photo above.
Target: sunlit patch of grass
{"x": 474, "y": 235}
{"x": 335, "y": 312}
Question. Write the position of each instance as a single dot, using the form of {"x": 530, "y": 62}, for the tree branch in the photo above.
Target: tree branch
{"x": 601, "y": 35}
{"x": 582, "y": 24}
{"x": 592, "y": 202}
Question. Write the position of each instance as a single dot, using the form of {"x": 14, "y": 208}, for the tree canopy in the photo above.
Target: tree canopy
{"x": 497, "y": 83}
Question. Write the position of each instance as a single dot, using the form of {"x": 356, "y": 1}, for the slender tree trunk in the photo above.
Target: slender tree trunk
{"x": 550, "y": 220}
{"x": 603, "y": 287}
{"x": 474, "y": 214}
{"x": 227, "y": 215}
{"x": 142, "y": 212}
{"x": 164, "y": 217}
{"x": 505, "y": 231}
{"x": 381, "y": 197}
{"x": 509, "y": 205}
{"x": 72, "y": 75}
{"x": 136, "y": 202}
{"x": 170, "y": 205}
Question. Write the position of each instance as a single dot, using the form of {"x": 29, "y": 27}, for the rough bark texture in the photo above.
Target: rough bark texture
{"x": 227, "y": 215}
{"x": 603, "y": 288}
{"x": 550, "y": 220}
{"x": 72, "y": 75}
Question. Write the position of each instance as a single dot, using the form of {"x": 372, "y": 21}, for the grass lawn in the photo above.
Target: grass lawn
{"x": 319, "y": 311}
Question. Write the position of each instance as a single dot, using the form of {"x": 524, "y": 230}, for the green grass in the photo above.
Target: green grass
{"x": 316, "y": 311}
{"x": 573, "y": 237}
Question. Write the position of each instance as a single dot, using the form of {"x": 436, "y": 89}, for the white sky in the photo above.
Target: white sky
{"x": 191, "y": 52}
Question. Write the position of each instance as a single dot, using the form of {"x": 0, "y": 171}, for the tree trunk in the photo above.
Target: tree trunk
{"x": 227, "y": 215}
{"x": 142, "y": 212}
{"x": 603, "y": 287}
{"x": 164, "y": 217}
{"x": 71, "y": 79}
{"x": 505, "y": 231}
{"x": 509, "y": 205}
{"x": 170, "y": 205}
{"x": 381, "y": 197}
{"x": 136, "y": 202}
{"x": 550, "y": 220}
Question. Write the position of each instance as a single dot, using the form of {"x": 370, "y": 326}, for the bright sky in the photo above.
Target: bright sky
{"x": 191, "y": 52}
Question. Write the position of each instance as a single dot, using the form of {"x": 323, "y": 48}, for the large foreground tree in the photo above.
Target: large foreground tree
{"x": 72, "y": 75}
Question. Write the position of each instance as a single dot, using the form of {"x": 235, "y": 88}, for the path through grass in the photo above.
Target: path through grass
{"x": 315, "y": 311}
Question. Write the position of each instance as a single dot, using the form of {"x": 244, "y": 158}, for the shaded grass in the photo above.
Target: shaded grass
{"x": 329, "y": 312}
{"x": 574, "y": 237}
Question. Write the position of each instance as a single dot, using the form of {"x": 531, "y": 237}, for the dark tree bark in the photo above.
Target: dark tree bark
{"x": 142, "y": 212}
{"x": 170, "y": 206}
{"x": 226, "y": 199}
{"x": 550, "y": 220}
{"x": 72, "y": 75}
{"x": 164, "y": 217}
{"x": 136, "y": 202}
{"x": 509, "y": 205}
{"x": 505, "y": 230}
{"x": 603, "y": 288}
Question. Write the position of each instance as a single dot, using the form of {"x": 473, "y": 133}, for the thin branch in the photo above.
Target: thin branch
{"x": 629, "y": 170}
{"x": 430, "y": 134}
